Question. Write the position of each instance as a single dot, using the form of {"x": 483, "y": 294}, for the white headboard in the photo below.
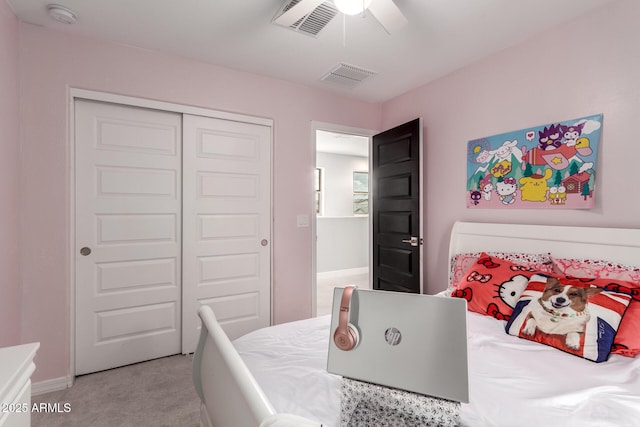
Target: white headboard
{"x": 621, "y": 245}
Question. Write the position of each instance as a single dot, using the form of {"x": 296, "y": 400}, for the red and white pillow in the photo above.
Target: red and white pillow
{"x": 492, "y": 285}
{"x": 599, "y": 269}
{"x": 460, "y": 263}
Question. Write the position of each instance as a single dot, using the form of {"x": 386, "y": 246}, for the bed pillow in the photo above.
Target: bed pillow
{"x": 616, "y": 277}
{"x": 627, "y": 341}
{"x": 492, "y": 285}
{"x": 594, "y": 268}
{"x": 586, "y": 328}
{"x": 460, "y": 263}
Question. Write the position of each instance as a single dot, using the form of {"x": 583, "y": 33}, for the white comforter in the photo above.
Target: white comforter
{"x": 513, "y": 382}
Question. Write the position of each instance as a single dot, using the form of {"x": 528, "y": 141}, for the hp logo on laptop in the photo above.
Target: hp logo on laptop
{"x": 392, "y": 336}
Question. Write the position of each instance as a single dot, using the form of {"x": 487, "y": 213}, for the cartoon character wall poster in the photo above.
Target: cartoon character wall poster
{"x": 551, "y": 166}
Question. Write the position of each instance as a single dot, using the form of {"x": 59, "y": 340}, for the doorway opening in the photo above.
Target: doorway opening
{"x": 342, "y": 206}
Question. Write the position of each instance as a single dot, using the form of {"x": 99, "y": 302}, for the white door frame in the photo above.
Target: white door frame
{"x": 75, "y": 93}
{"x": 329, "y": 127}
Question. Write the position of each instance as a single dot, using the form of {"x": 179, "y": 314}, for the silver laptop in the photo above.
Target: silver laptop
{"x": 411, "y": 342}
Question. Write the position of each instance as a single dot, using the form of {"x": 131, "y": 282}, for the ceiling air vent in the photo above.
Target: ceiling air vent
{"x": 347, "y": 75}
{"x": 312, "y": 23}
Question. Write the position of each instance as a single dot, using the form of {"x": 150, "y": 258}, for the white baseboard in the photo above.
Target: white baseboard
{"x": 341, "y": 273}
{"x": 54, "y": 384}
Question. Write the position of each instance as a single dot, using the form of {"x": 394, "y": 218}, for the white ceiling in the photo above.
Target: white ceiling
{"x": 441, "y": 36}
{"x": 340, "y": 143}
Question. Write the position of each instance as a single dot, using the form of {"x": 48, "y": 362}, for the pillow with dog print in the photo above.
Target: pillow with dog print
{"x": 627, "y": 340}
{"x": 617, "y": 277}
{"x": 569, "y": 314}
{"x": 492, "y": 285}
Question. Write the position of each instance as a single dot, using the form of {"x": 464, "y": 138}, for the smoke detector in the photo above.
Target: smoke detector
{"x": 62, "y": 14}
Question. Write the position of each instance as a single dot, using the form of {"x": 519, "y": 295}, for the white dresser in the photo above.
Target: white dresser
{"x": 16, "y": 367}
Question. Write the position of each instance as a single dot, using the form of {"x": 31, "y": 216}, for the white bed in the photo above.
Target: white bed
{"x": 513, "y": 382}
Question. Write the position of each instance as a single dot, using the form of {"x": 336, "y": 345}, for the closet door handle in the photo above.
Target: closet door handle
{"x": 264, "y": 242}
{"x": 85, "y": 251}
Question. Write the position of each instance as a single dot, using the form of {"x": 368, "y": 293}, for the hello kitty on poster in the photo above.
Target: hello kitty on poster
{"x": 551, "y": 166}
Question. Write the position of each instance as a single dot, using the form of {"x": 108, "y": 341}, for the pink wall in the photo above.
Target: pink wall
{"x": 589, "y": 66}
{"x": 51, "y": 62}
{"x": 9, "y": 180}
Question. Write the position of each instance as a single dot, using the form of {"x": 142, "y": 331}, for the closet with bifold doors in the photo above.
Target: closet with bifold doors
{"x": 172, "y": 209}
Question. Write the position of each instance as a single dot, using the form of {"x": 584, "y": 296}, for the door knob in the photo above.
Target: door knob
{"x": 85, "y": 251}
{"x": 264, "y": 242}
{"x": 414, "y": 241}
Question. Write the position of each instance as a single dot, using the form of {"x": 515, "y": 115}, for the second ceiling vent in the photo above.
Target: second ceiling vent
{"x": 347, "y": 75}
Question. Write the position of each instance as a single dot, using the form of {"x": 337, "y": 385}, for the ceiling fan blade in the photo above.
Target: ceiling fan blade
{"x": 388, "y": 14}
{"x": 297, "y": 11}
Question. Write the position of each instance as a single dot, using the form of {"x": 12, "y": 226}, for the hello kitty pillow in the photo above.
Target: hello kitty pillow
{"x": 460, "y": 263}
{"x": 492, "y": 285}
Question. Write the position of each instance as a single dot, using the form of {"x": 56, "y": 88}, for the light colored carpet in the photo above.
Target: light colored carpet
{"x": 156, "y": 393}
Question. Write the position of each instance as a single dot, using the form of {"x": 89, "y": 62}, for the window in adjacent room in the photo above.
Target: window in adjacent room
{"x": 319, "y": 189}
{"x": 360, "y": 193}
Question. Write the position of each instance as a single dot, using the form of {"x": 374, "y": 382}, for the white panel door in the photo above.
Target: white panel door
{"x": 226, "y": 225}
{"x": 128, "y": 235}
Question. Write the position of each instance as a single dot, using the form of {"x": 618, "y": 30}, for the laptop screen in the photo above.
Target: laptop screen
{"x": 407, "y": 341}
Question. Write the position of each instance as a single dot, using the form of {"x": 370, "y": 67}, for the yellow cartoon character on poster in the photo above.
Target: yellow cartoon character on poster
{"x": 534, "y": 188}
{"x": 557, "y": 195}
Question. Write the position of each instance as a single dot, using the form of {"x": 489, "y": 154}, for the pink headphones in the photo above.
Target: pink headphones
{"x": 346, "y": 336}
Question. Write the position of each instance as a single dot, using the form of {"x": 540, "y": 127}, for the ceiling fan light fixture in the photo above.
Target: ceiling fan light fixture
{"x": 352, "y": 7}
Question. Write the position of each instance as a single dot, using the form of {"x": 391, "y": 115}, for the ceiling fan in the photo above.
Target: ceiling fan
{"x": 385, "y": 11}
